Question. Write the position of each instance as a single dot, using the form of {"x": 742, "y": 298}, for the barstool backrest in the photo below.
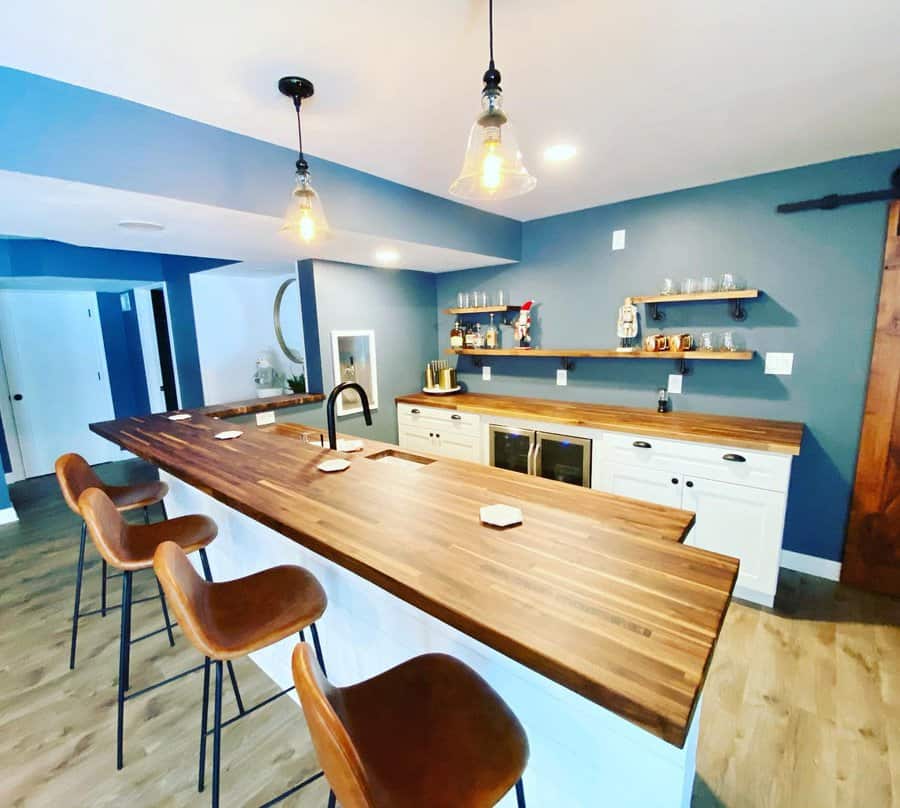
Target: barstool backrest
{"x": 75, "y": 476}
{"x": 337, "y": 755}
{"x": 186, "y": 593}
{"x": 105, "y": 525}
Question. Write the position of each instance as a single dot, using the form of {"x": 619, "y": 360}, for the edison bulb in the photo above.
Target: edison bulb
{"x": 307, "y": 226}
{"x": 492, "y": 165}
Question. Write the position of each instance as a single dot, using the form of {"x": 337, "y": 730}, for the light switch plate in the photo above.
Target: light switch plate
{"x": 562, "y": 377}
{"x": 263, "y": 418}
{"x": 675, "y": 382}
{"x": 125, "y": 301}
{"x": 779, "y": 364}
{"x": 618, "y": 240}
{"x": 486, "y": 373}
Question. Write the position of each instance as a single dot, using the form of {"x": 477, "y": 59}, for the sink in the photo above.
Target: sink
{"x": 397, "y": 457}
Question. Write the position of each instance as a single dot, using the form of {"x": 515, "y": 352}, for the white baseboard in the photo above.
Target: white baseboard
{"x": 8, "y": 516}
{"x": 811, "y": 565}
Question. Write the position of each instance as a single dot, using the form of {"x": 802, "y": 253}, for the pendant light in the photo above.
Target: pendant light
{"x": 493, "y": 166}
{"x": 305, "y": 216}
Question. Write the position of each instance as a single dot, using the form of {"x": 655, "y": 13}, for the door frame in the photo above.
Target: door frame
{"x": 143, "y": 304}
{"x": 10, "y": 432}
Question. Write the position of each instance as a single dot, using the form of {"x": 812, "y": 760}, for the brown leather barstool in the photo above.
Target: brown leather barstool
{"x": 231, "y": 619}
{"x": 130, "y": 548}
{"x": 75, "y": 476}
{"x": 430, "y": 732}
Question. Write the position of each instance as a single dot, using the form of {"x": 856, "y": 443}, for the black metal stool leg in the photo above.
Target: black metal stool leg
{"x": 162, "y": 507}
{"x": 217, "y": 734}
{"x": 318, "y": 647}
{"x": 78, "y": 576}
{"x": 146, "y": 515}
{"x": 204, "y": 720}
{"x": 124, "y": 653}
{"x": 520, "y": 794}
{"x": 165, "y": 611}
{"x": 104, "y": 573}
{"x": 332, "y": 800}
{"x": 207, "y": 573}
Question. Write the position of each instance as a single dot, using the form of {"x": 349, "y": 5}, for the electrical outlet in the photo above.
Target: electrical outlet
{"x": 486, "y": 373}
{"x": 618, "y": 240}
{"x": 562, "y": 377}
{"x": 675, "y": 382}
{"x": 779, "y": 364}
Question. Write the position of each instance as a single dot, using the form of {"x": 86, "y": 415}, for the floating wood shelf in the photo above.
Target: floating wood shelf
{"x": 482, "y": 310}
{"x": 603, "y": 353}
{"x": 734, "y": 297}
{"x": 566, "y": 355}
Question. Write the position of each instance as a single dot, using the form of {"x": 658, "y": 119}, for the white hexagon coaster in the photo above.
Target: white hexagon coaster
{"x": 330, "y": 466}
{"x": 501, "y": 515}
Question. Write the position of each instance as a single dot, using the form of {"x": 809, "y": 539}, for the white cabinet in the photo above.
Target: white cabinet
{"x": 739, "y": 521}
{"x": 439, "y": 431}
{"x": 739, "y": 497}
{"x": 649, "y": 485}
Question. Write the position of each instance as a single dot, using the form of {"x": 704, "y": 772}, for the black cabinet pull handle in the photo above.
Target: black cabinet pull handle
{"x": 431, "y": 434}
{"x": 689, "y": 484}
{"x": 641, "y": 444}
{"x": 456, "y": 417}
{"x": 17, "y": 397}
{"x": 437, "y": 434}
{"x": 674, "y": 481}
{"x": 415, "y": 411}
{"x": 734, "y": 458}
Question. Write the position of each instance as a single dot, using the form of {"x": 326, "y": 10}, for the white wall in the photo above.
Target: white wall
{"x": 233, "y": 313}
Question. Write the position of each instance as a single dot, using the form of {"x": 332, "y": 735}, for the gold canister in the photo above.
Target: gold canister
{"x": 429, "y": 376}
{"x": 447, "y": 378}
{"x": 681, "y": 342}
{"x": 656, "y": 342}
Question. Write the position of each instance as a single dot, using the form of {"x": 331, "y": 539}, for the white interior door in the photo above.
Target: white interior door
{"x": 56, "y": 371}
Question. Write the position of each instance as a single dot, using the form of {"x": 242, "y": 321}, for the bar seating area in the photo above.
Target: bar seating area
{"x": 429, "y": 732}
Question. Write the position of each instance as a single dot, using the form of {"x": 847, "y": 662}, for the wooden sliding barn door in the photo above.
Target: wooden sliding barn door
{"x": 872, "y": 551}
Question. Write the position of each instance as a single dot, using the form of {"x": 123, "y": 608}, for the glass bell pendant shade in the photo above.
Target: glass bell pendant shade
{"x": 493, "y": 167}
{"x": 305, "y": 216}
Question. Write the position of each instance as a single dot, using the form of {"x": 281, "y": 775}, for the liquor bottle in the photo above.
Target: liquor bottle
{"x": 478, "y": 338}
{"x": 492, "y": 336}
{"x": 456, "y": 336}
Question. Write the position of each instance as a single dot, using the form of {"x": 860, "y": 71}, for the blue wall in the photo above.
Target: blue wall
{"x": 5, "y": 463}
{"x": 124, "y": 357}
{"x": 820, "y": 274}
{"x": 118, "y": 143}
{"x": 4, "y": 494}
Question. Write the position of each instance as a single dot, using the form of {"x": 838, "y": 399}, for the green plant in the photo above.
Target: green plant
{"x": 297, "y": 383}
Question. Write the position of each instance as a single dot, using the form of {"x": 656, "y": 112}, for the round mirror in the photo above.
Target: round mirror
{"x": 288, "y": 325}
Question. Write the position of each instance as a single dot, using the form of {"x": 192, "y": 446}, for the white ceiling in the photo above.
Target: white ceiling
{"x": 33, "y": 206}
{"x": 656, "y": 96}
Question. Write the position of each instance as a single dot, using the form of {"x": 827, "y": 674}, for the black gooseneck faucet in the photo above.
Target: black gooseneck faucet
{"x": 332, "y": 401}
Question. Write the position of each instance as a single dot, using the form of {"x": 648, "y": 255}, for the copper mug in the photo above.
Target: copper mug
{"x": 681, "y": 342}
{"x": 656, "y": 342}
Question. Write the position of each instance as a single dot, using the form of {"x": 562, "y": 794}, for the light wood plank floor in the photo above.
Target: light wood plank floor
{"x": 802, "y": 705}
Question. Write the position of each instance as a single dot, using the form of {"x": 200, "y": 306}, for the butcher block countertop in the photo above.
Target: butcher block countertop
{"x": 252, "y": 405}
{"x": 727, "y": 430}
{"x": 593, "y": 591}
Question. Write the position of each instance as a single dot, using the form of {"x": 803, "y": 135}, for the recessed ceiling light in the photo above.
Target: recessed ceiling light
{"x": 387, "y": 255}
{"x": 134, "y": 224}
{"x": 559, "y": 152}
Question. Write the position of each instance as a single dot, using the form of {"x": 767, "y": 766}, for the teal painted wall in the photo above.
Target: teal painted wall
{"x": 124, "y": 356}
{"x": 820, "y": 272}
{"x": 399, "y": 307}
{"x": 4, "y": 494}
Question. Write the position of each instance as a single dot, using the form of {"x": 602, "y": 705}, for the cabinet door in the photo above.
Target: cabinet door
{"x": 650, "y": 485}
{"x": 459, "y": 447}
{"x": 416, "y": 439}
{"x": 743, "y": 522}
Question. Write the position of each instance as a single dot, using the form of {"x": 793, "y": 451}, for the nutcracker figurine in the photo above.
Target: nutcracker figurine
{"x": 522, "y": 326}
{"x": 627, "y": 326}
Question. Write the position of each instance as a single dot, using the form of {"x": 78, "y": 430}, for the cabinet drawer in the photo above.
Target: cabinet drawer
{"x": 714, "y": 462}
{"x": 461, "y": 422}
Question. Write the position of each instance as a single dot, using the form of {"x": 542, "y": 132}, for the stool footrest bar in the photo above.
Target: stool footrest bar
{"x": 151, "y": 634}
{"x": 293, "y": 790}
{"x": 174, "y": 678}
{"x": 252, "y": 709}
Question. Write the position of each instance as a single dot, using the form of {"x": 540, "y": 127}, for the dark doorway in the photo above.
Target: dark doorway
{"x": 164, "y": 346}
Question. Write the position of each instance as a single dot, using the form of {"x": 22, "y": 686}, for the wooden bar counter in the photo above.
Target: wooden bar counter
{"x": 594, "y": 592}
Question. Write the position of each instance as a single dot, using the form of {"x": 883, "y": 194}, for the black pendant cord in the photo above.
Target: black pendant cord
{"x": 302, "y": 165}
{"x": 491, "y": 30}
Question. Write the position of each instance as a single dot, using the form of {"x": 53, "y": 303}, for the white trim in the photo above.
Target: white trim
{"x": 368, "y": 335}
{"x": 8, "y": 516}
{"x": 10, "y": 432}
{"x": 812, "y": 565}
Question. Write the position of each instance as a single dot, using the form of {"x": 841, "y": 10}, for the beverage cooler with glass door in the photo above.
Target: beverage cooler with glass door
{"x": 541, "y": 454}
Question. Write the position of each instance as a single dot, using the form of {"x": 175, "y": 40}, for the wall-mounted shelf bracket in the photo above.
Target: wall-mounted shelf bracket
{"x": 478, "y": 361}
{"x": 655, "y": 313}
{"x": 738, "y": 312}
{"x": 682, "y": 365}
{"x": 566, "y": 364}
